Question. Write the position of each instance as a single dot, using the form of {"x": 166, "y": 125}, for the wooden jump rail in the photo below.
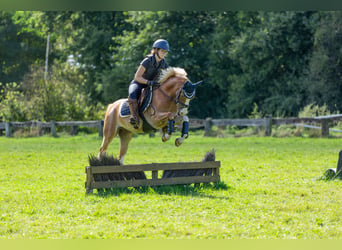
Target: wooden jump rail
{"x": 213, "y": 175}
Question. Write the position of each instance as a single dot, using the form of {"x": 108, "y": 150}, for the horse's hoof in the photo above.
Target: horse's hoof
{"x": 165, "y": 137}
{"x": 179, "y": 141}
{"x": 100, "y": 155}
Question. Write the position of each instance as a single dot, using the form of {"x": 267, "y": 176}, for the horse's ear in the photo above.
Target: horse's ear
{"x": 197, "y": 83}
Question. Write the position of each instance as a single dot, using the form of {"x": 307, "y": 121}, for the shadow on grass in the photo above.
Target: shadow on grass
{"x": 184, "y": 190}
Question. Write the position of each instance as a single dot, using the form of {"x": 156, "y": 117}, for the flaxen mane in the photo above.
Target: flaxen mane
{"x": 170, "y": 72}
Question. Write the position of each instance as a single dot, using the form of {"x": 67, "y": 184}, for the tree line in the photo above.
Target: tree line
{"x": 270, "y": 63}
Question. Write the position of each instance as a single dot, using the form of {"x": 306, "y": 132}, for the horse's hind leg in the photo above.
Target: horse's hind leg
{"x": 109, "y": 132}
{"x": 125, "y": 138}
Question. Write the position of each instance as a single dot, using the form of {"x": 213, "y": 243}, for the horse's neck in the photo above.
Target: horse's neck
{"x": 172, "y": 85}
{"x": 164, "y": 96}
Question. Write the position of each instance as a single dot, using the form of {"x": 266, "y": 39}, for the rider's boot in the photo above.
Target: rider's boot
{"x": 133, "y": 108}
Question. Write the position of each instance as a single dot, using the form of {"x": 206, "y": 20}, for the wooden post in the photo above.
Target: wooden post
{"x": 325, "y": 127}
{"x": 154, "y": 174}
{"x": 8, "y": 128}
{"x": 216, "y": 172}
{"x": 100, "y": 127}
{"x": 339, "y": 163}
{"x": 268, "y": 125}
{"x": 74, "y": 130}
{"x": 207, "y": 126}
{"x": 53, "y": 129}
{"x": 89, "y": 181}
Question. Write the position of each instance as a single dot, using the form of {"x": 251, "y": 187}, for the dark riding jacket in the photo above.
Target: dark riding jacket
{"x": 153, "y": 68}
{"x": 152, "y": 72}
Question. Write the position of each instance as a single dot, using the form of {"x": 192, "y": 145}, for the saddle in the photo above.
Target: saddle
{"x": 143, "y": 103}
{"x": 145, "y": 100}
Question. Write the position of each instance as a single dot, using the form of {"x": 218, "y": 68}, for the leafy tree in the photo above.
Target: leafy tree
{"x": 57, "y": 99}
{"x": 85, "y": 39}
{"x": 94, "y": 47}
{"x": 10, "y": 108}
{"x": 279, "y": 62}
{"x": 229, "y": 26}
{"x": 324, "y": 78}
{"x": 271, "y": 57}
{"x": 19, "y": 48}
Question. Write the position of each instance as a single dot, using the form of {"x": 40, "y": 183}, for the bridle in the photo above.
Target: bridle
{"x": 180, "y": 91}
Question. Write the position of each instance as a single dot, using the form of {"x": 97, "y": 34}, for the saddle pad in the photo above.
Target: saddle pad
{"x": 124, "y": 111}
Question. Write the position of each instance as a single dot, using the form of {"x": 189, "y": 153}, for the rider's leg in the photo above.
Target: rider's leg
{"x": 133, "y": 95}
{"x": 133, "y": 108}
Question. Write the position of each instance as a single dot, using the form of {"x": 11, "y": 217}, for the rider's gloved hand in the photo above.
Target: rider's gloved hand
{"x": 152, "y": 83}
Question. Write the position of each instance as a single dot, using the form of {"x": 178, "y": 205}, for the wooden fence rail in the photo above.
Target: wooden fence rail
{"x": 8, "y": 126}
{"x": 268, "y": 122}
{"x": 207, "y": 124}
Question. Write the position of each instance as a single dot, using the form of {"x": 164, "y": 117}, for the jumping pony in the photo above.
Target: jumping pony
{"x": 160, "y": 108}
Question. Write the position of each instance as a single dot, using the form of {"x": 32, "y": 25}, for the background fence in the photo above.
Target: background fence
{"x": 9, "y": 126}
{"x": 268, "y": 122}
{"x": 324, "y": 123}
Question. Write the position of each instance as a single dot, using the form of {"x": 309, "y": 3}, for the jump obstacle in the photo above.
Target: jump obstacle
{"x": 334, "y": 173}
{"x": 101, "y": 176}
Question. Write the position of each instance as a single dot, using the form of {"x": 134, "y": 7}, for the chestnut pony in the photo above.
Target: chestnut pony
{"x": 168, "y": 105}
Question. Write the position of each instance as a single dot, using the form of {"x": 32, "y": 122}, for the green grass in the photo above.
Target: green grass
{"x": 271, "y": 190}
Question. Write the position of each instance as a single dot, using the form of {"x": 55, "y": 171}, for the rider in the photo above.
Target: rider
{"x": 146, "y": 75}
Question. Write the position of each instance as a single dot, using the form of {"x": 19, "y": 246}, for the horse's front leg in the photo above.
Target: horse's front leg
{"x": 165, "y": 135}
{"x": 185, "y": 132}
{"x": 167, "y": 131}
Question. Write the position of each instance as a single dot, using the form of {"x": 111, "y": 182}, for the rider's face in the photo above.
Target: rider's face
{"x": 162, "y": 53}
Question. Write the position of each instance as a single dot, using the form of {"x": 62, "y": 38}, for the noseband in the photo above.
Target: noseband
{"x": 187, "y": 95}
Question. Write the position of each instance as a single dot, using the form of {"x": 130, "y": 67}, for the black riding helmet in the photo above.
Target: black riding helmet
{"x": 161, "y": 44}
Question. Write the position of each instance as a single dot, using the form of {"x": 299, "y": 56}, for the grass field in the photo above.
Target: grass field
{"x": 271, "y": 190}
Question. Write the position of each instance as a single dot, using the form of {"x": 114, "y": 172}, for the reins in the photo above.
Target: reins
{"x": 170, "y": 97}
{"x": 176, "y": 99}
